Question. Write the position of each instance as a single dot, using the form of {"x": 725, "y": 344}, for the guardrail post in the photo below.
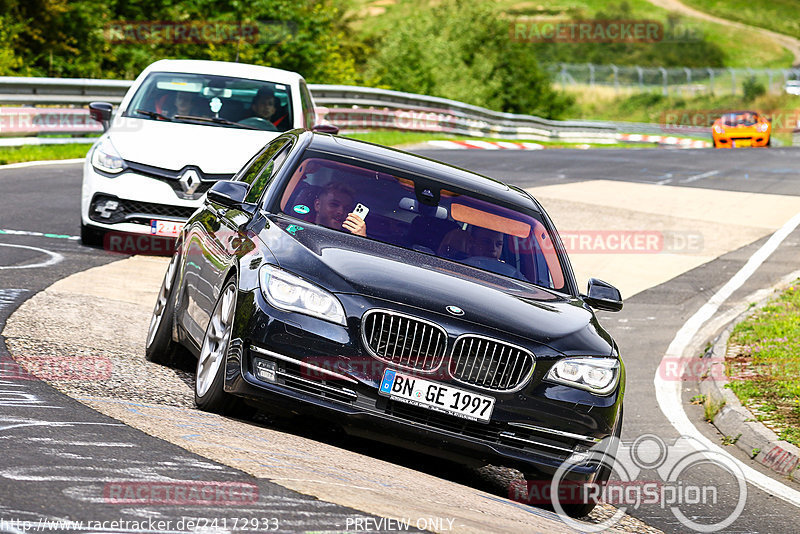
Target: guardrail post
{"x": 615, "y": 69}
{"x": 664, "y": 80}
{"x": 733, "y": 80}
{"x": 710, "y": 80}
{"x": 688, "y": 72}
{"x": 641, "y": 77}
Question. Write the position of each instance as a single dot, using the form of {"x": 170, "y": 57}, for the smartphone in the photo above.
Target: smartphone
{"x": 361, "y": 210}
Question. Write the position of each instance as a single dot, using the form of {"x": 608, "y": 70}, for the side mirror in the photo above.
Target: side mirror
{"x": 230, "y": 195}
{"x": 325, "y": 128}
{"x": 101, "y": 112}
{"x": 603, "y": 296}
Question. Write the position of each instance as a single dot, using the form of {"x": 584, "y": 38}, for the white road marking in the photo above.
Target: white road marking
{"x": 9, "y": 296}
{"x": 38, "y": 234}
{"x": 55, "y": 257}
{"x": 699, "y": 177}
{"x": 447, "y": 144}
{"x": 667, "y": 178}
{"x": 36, "y": 163}
{"x": 668, "y": 392}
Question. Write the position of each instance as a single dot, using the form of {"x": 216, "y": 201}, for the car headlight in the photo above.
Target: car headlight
{"x": 598, "y": 375}
{"x": 106, "y": 158}
{"x": 719, "y": 129}
{"x": 763, "y": 127}
{"x": 290, "y": 292}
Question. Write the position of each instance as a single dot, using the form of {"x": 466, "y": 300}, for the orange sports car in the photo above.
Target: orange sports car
{"x": 741, "y": 128}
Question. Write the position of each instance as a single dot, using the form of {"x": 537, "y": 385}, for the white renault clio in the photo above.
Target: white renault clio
{"x": 183, "y": 125}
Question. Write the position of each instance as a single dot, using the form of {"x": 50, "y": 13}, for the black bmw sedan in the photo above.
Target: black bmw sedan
{"x": 406, "y": 300}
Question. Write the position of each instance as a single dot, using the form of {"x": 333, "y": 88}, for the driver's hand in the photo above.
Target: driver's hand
{"x": 355, "y": 225}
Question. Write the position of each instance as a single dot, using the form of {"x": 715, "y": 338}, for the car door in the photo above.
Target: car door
{"x": 210, "y": 243}
{"x": 217, "y": 236}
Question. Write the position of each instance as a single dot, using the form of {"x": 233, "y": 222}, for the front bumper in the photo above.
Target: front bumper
{"x": 322, "y": 371}
{"x": 138, "y": 196}
{"x": 737, "y": 140}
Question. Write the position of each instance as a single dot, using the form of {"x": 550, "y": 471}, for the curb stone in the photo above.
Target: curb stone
{"x": 736, "y": 421}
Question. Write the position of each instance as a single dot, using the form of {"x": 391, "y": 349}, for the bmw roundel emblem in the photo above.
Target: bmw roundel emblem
{"x": 455, "y": 310}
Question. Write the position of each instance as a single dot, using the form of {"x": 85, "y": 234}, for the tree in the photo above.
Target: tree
{"x": 61, "y": 38}
{"x": 462, "y": 50}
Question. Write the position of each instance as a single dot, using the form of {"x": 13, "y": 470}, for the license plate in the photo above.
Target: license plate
{"x": 166, "y": 228}
{"x": 742, "y": 143}
{"x": 437, "y": 397}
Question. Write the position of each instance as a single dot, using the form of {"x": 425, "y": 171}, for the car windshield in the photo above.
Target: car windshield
{"x": 212, "y": 100}
{"x": 413, "y": 213}
{"x": 739, "y": 119}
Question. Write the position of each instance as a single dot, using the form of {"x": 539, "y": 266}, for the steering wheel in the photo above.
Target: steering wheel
{"x": 260, "y": 123}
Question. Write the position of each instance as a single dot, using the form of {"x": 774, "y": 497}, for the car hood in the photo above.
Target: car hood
{"x": 344, "y": 263}
{"x": 173, "y": 145}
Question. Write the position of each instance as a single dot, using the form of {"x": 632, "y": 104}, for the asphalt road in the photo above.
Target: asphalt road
{"x": 64, "y": 461}
{"x": 46, "y": 463}
{"x": 650, "y": 319}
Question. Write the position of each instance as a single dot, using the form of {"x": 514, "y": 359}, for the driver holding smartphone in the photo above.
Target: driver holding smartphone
{"x": 331, "y": 207}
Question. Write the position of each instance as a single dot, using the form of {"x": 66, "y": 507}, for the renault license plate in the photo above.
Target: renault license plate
{"x": 166, "y": 228}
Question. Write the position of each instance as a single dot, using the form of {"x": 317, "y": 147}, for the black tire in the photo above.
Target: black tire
{"x": 582, "y": 509}
{"x": 769, "y": 141}
{"x": 577, "y": 510}
{"x": 160, "y": 348}
{"x": 209, "y": 394}
{"x": 91, "y": 237}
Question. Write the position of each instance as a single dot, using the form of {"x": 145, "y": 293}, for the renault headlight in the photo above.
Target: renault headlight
{"x": 291, "y": 293}
{"x": 106, "y": 158}
{"x": 598, "y": 375}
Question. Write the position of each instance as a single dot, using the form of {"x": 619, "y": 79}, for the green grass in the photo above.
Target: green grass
{"x": 764, "y": 370}
{"x": 782, "y": 16}
{"x": 602, "y": 103}
{"x": 373, "y": 18}
{"x": 19, "y": 154}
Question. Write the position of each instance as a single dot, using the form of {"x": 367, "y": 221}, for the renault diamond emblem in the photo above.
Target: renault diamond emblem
{"x": 189, "y": 181}
{"x": 455, "y": 310}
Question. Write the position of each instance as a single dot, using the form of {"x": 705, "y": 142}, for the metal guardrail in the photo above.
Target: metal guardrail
{"x": 60, "y": 91}
{"x": 675, "y": 80}
{"x": 351, "y": 108}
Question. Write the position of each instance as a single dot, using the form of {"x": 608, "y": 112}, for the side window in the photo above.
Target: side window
{"x": 256, "y": 165}
{"x": 309, "y": 114}
{"x": 258, "y": 185}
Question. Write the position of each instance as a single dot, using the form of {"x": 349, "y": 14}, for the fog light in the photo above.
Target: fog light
{"x": 265, "y": 369}
{"x": 106, "y": 209}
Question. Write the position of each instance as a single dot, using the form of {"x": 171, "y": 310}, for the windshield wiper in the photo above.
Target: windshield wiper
{"x": 153, "y": 114}
{"x": 215, "y": 120}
